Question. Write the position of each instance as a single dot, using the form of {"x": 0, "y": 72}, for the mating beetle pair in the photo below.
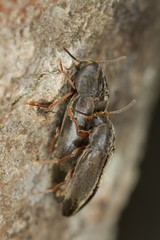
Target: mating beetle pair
{"x": 86, "y": 139}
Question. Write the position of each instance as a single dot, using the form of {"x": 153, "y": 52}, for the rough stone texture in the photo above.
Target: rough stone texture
{"x": 32, "y": 34}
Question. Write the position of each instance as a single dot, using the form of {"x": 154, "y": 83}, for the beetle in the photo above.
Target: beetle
{"x": 86, "y": 139}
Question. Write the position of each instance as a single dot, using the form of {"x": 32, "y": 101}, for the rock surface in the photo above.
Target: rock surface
{"x": 32, "y": 34}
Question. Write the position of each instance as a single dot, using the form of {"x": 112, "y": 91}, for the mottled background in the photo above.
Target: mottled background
{"x": 32, "y": 36}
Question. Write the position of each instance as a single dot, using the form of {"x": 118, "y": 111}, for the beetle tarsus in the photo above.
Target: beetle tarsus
{"x": 51, "y": 105}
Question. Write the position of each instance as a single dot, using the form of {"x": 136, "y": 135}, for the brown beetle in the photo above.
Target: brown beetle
{"x": 86, "y": 139}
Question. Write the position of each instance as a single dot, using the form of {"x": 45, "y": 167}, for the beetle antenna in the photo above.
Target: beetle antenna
{"x": 71, "y": 55}
{"x": 124, "y": 108}
{"x": 115, "y": 60}
{"x": 112, "y": 112}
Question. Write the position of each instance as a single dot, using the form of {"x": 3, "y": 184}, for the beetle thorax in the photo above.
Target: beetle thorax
{"x": 88, "y": 79}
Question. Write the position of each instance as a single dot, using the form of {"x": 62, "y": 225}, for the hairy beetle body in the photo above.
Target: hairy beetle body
{"x": 86, "y": 140}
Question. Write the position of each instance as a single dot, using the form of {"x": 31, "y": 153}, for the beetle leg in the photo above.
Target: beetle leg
{"x": 73, "y": 154}
{"x": 48, "y": 190}
{"x": 80, "y": 133}
{"x": 54, "y": 189}
{"x": 49, "y": 151}
{"x": 66, "y": 75}
{"x": 58, "y": 130}
{"x": 112, "y": 112}
{"x": 52, "y": 104}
